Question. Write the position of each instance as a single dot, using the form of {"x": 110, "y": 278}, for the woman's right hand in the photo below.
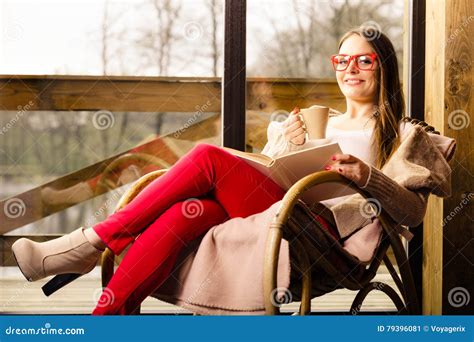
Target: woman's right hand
{"x": 293, "y": 128}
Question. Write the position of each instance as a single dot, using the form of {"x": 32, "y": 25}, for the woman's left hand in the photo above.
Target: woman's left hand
{"x": 350, "y": 167}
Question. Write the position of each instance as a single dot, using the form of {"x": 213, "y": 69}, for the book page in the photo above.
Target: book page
{"x": 286, "y": 170}
{"x": 296, "y": 165}
{"x": 290, "y": 168}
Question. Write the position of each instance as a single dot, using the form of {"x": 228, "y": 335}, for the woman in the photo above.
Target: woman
{"x": 162, "y": 219}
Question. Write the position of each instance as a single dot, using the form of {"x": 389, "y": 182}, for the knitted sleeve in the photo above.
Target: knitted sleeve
{"x": 395, "y": 198}
{"x": 276, "y": 144}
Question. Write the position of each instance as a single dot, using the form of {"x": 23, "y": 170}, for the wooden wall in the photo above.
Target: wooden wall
{"x": 448, "y": 236}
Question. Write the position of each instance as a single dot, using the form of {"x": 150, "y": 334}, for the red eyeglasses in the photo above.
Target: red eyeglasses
{"x": 340, "y": 62}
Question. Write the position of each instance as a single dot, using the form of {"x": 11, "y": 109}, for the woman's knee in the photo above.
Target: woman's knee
{"x": 215, "y": 155}
{"x": 206, "y": 148}
{"x": 211, "y": 155}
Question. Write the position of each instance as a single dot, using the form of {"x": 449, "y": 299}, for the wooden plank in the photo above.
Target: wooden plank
{"x": 269, "y": 95}
{"x": 120, "y": 95}
{"x": 80, "y": 296}
{"x": 434, "y": 97}
{"x": 458, "y": 242}
{"x": 159, "y": 94}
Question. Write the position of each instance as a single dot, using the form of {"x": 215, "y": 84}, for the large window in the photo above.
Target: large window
{"x": 96, "y": 93}
{"x": 289, "y": 49}
{"x": 111, "y": 37}
{"x": 59, "y": 125}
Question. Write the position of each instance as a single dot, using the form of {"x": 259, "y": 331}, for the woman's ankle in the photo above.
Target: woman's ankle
{"x": 94, "y": 239}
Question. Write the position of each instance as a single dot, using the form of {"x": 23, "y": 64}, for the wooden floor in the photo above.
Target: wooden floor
{"x": 18, "y": 296}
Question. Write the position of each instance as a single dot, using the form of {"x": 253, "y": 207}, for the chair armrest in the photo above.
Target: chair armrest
{"x": 317, "y": 178}
{"x": 137, "y": 187}
{"x": 275, "y": 234}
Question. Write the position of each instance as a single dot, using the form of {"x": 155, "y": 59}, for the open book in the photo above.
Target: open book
{"x": 286, "y": 170}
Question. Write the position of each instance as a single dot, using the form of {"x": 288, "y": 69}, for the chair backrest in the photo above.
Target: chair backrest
{"x": 425, "y": 125}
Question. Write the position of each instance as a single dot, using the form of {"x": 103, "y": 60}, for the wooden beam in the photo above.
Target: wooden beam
{"x": 448, "y": 242}
{"x": 434, "y": 114}
{"x": 152, "y": 94}
{"x": 114, "y": 94}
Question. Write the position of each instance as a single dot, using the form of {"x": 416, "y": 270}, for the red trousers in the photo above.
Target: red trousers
{"x": 205, "y": 187}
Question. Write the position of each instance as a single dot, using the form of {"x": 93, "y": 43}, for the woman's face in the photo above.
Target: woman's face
{"x": 355, "y": 84}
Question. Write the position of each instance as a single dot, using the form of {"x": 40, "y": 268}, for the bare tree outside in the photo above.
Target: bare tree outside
{"x": 301, "y": 46}
{"x": 155, "y": 42}
{"x": 215, "y": 10}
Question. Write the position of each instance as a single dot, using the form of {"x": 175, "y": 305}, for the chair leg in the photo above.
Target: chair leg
{"x": 137, "y": 310}
{"x": 305, "y": 269}
{"x": 272, "y": 250}
{"x": 389, "y": 291}
{"x": 409, "y": 290}
{"x": 394, "y": 275}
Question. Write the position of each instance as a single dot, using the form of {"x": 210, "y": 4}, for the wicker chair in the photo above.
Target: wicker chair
{"x": 354, "y": 275}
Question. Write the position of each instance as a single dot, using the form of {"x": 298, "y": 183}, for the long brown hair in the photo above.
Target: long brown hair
{"x": 390, "y": 105}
